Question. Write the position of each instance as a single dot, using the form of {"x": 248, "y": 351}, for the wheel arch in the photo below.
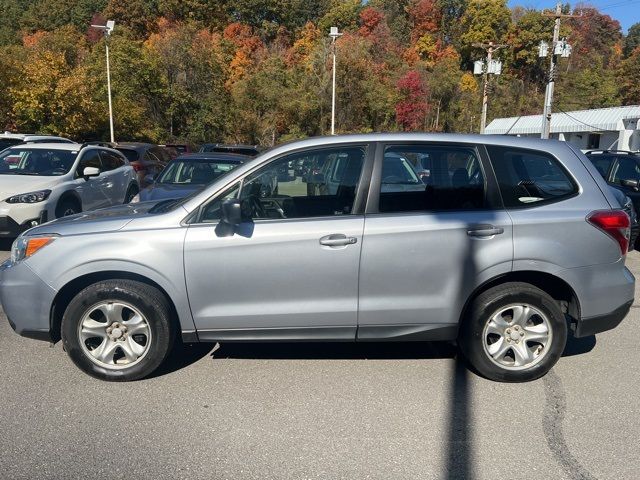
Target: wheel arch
{"x": 551, "y": 284}
{"x": 69, "y": 195}
{"x": 72, "y": 288}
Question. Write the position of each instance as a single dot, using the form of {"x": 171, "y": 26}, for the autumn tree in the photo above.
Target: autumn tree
{"x": 412, "y": 108}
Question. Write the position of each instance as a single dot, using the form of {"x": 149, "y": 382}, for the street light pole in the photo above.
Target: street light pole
{"x": 333, "y": 33}
{"x": 107, "y": 29}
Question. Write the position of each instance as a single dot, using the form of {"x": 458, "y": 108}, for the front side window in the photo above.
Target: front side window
{"x": 36, "y": 161}
{"x": 528, "y": 177}
{"x": 90, "y": 159}
{"x": 326, "y": 187}
{"x": 602, "y": 163}
{"x": 431, "y": 178}
{"x": 626, "y": 168}
{"x": 198, "y": 172}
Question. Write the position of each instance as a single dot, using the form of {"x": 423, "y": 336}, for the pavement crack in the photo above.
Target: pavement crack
{"x": 555, "y": 409}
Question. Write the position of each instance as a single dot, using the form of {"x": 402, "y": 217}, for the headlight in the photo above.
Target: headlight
{"x": 24, "y": 247}
{"x": 135, "y": 199}
{"x": 31, "y": 197}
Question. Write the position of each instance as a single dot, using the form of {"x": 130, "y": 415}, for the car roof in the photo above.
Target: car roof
{"x": 32, "y": 136}
{"x": 50, "y": 145}
{"x": 214, "y": 156}
{"x": 134, "y": 145}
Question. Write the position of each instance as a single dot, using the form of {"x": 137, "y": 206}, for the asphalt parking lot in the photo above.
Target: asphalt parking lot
{"x": 323, "y": 411}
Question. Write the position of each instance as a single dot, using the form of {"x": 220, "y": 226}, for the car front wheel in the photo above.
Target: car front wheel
{"x": 514, "y": 332}
{"x": 118, "y": 330}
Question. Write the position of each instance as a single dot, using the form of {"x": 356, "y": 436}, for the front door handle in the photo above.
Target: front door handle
{"x": 337, "y": 240}
{"x": 484, "y": 231}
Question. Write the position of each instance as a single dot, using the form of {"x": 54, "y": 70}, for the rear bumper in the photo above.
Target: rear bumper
{"x": 601, "y": 323}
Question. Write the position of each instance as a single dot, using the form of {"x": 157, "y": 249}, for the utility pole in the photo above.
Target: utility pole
{"x": 558, "y": 47}
{"x": 333, "y": 33}
{"x": 485, "y": 68}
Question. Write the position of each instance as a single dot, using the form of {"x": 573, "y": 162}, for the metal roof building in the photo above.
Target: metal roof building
{"x": 614, "y": 127}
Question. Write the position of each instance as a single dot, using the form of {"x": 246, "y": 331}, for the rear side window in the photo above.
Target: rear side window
{"x": 528, "y": 177}
{"x": 431, "y": 178}
{"x": 131, "y": 155}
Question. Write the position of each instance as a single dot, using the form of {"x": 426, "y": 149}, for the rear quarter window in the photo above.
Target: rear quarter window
{"x": 530, "y": 177}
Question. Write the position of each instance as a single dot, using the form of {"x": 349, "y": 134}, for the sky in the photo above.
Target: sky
{"x": 627, "y": 12}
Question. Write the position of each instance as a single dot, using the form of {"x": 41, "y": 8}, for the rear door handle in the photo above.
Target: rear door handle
{"x": 484, "y": 231}
{"x": 337, "y": 240}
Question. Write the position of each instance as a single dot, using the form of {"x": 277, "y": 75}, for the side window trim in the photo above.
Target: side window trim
{"x": 195, "y": 217}
{"x": 492, "y": 194}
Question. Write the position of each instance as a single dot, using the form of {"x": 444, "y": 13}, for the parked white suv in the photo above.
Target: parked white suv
{"x": 43, "y": 181}
{"x": 8, "y": 139}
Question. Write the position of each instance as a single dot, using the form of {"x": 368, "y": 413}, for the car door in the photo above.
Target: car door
{"x": 114, "y": 182}
{"x": 292, "y": 270}
{"x": 428, "y": 242}
{"x": 89, "y": 189}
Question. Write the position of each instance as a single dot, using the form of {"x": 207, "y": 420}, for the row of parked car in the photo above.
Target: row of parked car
{"x": 43, "y": 177}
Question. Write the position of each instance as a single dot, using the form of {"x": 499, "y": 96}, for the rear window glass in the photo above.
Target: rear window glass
{"x": 131, "y": 155}
{"x": 528, "y": 177}
{"x": 602, "y": 163}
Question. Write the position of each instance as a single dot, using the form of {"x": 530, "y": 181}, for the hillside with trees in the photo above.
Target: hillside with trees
{"x": 259, "y": 71}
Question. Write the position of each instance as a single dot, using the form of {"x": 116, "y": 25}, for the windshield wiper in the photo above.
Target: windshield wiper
{"x": 26, "y": 173}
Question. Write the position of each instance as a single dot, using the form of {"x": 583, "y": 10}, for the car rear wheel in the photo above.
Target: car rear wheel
{"x": 514, "y": 332}
{"x": 118, "y": 330}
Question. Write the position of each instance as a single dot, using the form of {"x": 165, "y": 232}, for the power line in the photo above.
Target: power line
{"x": 597, "y": 129}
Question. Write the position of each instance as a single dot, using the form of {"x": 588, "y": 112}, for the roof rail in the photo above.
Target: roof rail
{"x": 606, "y": 150}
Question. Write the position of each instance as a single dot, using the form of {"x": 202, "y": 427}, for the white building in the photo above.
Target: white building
{"x": 604, "y": 128}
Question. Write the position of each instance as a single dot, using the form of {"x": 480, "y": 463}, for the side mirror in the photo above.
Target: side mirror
{"x": 633, "y": 184}
{"x": 151, "y": 178}
{"x": 231, "y": 217}
{"x": 89, "y": 172}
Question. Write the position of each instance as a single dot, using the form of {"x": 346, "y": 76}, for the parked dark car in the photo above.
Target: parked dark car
{"x": 621, "y": 170}
{"x": 181, "y": 148}
{"x": 147, "y": 159}
{"x": 188, "y": 174}
{"x": 250, "y": 150}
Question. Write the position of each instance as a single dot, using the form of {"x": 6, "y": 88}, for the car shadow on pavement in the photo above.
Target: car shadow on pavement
{"x": 336, "y": 351}
{"x": 183, "y": 355}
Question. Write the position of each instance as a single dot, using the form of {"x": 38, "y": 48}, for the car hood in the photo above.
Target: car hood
{"x": 165, "y": 191}
{"x": 97, "y": 221}
{"x": 15, "y": 184}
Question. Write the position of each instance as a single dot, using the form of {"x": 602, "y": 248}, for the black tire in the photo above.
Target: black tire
{"x": 489, "y": 303}
{"x": 131, "y": 192}
{"x": 149, "y": 301}
{"x": 66, "y": 207}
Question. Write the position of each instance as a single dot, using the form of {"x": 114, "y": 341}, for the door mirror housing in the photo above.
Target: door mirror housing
{"x": 627, "y": 182}
{"x": 151, "y": 178}
{"x": 230, "y": 217}
{"x": 89, "y": 172}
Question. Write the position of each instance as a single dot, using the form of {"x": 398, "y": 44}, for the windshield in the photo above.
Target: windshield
{"x": 8, "y": 142}
{"x": 194, "y": 172}
{"x": 36, "y": 161}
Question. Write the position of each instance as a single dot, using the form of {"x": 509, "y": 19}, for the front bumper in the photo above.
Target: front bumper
{"x": 601, "y": 323}
{"x": 26, "y": 300}
{"x": 9, "y": 228}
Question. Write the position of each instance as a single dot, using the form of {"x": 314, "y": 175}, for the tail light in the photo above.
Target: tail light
{"x": 614, "y": 223}
{"x": 137, "y": 167}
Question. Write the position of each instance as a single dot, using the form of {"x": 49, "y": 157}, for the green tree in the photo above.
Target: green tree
{"x": 632, "y": 40}
{"x": 483, "y": 21}
{"x": 629, "y": 87}
{"x": 342, "y": 14}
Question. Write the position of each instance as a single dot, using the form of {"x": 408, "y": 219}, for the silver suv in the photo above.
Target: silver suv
{"x": 505, "y": 246}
